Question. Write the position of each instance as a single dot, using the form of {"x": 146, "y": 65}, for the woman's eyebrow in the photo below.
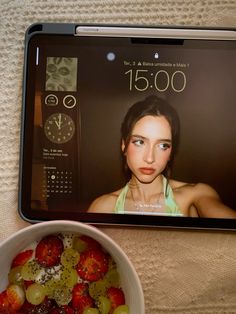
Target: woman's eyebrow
{"x": 138, "y": 136}
{"x": 165, "y": 140}
{"x": 145, "y": 138}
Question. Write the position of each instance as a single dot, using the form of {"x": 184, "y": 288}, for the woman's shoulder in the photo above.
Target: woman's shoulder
{"x": 178, "y": 185}
{"x": 105, "y": 203}
{"x": 195, "y": 188}
{"x": 200, "y": 199}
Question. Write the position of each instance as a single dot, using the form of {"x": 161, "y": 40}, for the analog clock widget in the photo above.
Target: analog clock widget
{"x": 59, "y": 128}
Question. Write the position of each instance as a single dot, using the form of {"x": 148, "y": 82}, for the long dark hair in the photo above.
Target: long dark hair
{"x": 150, "y": 106}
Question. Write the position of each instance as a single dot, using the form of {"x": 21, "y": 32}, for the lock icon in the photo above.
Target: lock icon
{"x": 156, "y": 55}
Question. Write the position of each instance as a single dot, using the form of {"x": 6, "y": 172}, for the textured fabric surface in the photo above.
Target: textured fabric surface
{"x": 180, "y": 271}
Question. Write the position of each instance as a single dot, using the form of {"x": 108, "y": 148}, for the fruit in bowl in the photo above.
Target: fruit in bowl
{"x": 66, "y": 267}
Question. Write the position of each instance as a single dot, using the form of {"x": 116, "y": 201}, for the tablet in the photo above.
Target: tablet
{"x": 126, "y": 125}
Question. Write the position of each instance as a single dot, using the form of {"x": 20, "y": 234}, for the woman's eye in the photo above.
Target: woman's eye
{"x": 138, "y": 142}
{"x": 164, "y": 146}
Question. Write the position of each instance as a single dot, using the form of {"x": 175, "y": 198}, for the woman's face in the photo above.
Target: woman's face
{"x": 149, "y": 149}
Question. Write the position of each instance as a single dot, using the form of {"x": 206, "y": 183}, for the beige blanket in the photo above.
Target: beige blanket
{"x": 180, "y": 271}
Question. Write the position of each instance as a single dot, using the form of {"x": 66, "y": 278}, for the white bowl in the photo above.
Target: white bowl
{"x": 21, "y": 239}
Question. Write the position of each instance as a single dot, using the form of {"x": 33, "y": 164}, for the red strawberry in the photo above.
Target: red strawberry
{"x": 4, "y": 303}
{"x": 81, "y": 298}
{"x": 48, "y": 251}
{"x": 27, "y": 308}
{"x": 90, "y": 242}
{"x": 21, "y": 258}
{"x": 93, "y": 265}
{"x": 83, "y": 302}
{"x": 116, "y": 296}
{"x": 43, "y": 307}
{"x": 80, "y": 289}
{"x": 15, "y": 296}
{"x": 28, "y": 283}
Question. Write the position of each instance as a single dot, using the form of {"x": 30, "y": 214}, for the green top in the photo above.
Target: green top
{"x": 170, "y": 204}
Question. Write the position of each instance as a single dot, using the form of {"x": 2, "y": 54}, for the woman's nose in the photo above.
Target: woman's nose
{"x": 149, "y": 156}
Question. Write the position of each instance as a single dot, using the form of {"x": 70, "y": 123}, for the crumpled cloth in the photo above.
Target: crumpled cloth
{"x": 181, "y": 271}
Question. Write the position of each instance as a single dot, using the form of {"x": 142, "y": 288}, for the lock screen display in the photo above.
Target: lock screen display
{"x": 80, "y": 90}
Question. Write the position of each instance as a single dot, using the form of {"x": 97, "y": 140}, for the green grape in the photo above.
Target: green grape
{"x": 62, "y": 295}
{"x": 50, "y": 286}
{"x": 97, "y": 289}
{"x": 79, "y": 245}
{"x": 121, "y": 309}
{"x": 104, "y": 305}
{"x": 70, "y": 257}
{"x": 69, "y": 277}
{"x": 91, "y": 310}
{"x": 112, "y": 278}
{"x": 14, "y": 275}
{"x": 35, "y": 294}
{"x": 30, "y": 270}
{"x": 59, "y": 291}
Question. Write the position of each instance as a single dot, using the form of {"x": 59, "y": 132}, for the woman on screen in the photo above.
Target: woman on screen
{"x": 150, "y": 136}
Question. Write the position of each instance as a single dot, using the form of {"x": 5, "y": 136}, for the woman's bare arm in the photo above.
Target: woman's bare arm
{"x": 209, "y": 204}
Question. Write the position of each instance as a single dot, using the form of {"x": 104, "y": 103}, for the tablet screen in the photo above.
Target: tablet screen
{"x": 78, "y": 92}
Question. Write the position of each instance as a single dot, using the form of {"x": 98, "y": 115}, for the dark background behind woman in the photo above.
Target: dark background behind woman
{"x": 205, "y": 103}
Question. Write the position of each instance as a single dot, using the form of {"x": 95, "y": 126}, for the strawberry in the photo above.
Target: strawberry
{"x": 116, "y": 296}
{"x": 81, "y": 298}
{"x": 4, "y": 303}
{"x": 48, "y": 251}
{"x": 83, "y": 303}
{"x": 43, "y": 307}
{"x": 93, "y": 265}
{"x": 64, "y": 309}
{"x": 83, "y": 243}
{"x": 90, "y": 242}
{"x": 27, "y": 283}
{"x": 21, "y": 258}
{"x": 27, "y": 308}
{"x": 15, "y": 296}
{"x": 80, "y": 289}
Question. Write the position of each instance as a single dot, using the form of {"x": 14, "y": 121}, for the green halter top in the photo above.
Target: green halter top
{"x": 170, "y": 204}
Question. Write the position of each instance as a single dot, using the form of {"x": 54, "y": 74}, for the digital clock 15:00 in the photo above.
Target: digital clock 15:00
{"x": 141, "y": 80}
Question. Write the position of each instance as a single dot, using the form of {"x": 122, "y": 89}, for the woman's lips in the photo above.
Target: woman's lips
{"x": 147, "y": 170}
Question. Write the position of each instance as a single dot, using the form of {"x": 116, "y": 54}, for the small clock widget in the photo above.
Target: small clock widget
{"x": 59, "y": 128}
